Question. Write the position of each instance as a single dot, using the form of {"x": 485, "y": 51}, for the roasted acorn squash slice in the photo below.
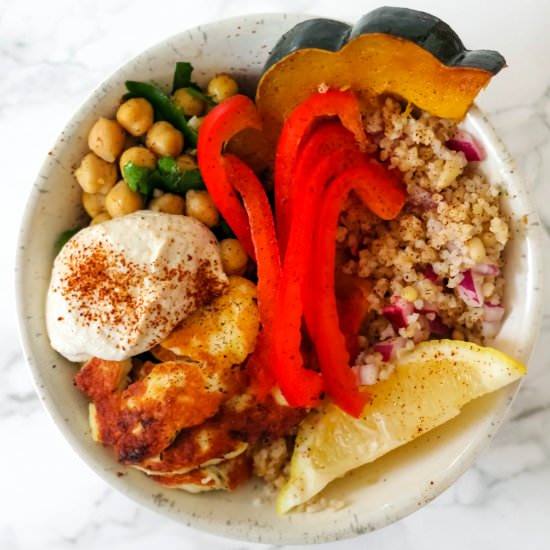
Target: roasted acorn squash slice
{"x": 407, "y": 53}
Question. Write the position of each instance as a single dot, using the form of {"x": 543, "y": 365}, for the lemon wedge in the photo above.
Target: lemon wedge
{"x": 429, "y": 386}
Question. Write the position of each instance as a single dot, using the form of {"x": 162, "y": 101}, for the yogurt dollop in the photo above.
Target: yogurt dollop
{"x": 120, "y": 287}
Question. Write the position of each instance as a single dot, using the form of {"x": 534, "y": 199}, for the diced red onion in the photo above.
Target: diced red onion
{"x": 385, "y": 349}
{"x": 395, "y": 316}
{"x": 487, "y": 270}
{"x": 430, "y": 274}
{"x": 468, "y": 144}
{"x": 493, "y": 313}
{"x": 389, "y": 348}
{"x": 469, "y": 291}
{"x": 398, "y": 312}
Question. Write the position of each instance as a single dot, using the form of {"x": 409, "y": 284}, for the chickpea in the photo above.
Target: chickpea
{"x": 168, "y": 203}
{"x": 135, "y": 116}
{"x": 201, "y": 206}
{"x": 409, "y": 293}
{"x": 106, "y": 139}
{"x": 141, "y": 156}
{"x": 188, "y": 103}
{"x": 100, "y": 218}
{"x": 93, "y": 203}
{"x": 234, "y": 257}
{"x": 95, "y": 175}
{"x": 186, "y": 163}
{"x": 476, "y": 249}
{"x": 164, "y": 140}
{"x": 221, "y": 87}
{"x": 121, "y": 200}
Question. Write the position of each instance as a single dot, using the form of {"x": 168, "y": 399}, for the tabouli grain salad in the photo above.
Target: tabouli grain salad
{"x": 252, "y": 286}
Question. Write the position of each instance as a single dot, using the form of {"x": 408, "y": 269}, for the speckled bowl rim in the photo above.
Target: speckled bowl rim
{"x": 251, "y": 529}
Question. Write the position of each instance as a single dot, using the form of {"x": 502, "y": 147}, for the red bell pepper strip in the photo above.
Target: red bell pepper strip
{"x": 386, "y": 205}
{"x": 326, "y": 138}
{"x": 380, "y": 191}
{"x": 220, "y": 125}
{"x": 287, "y": 336}
{"x": 324, "y": 155}
{"x": 264, "y": 239}
{"x": 296, "y": 129}
{"x": 353, "y": 306}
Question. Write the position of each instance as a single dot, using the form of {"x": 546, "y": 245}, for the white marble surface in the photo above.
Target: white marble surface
{"x": 52, "y": 54}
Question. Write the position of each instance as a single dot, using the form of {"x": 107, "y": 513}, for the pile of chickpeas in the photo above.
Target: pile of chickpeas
{"x": 134, "y": 136}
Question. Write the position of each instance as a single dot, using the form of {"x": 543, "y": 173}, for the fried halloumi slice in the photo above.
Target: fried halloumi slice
{"x": 144, "y": 419}
{"x": 204, "y": 445}
{"x": 99, "y": 378}
{"x": 226, "y": 475}
{"x": 225, "y": 330}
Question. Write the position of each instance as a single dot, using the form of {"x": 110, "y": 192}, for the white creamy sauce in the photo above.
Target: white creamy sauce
{"x": 120, "y": 287}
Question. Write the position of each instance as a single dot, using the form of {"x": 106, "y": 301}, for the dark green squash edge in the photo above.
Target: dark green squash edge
{"x": 424, "y": 29}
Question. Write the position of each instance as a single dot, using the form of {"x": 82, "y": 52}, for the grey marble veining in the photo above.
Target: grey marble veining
{"x": 52, "y": 54}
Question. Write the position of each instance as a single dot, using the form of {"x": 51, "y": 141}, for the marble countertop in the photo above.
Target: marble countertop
{"x": 52, "y": 54}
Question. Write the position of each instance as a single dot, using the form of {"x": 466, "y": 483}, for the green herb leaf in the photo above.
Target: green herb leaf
{"x": 138, "y": 178}
{"x": 192, "y": 179}
{"x": 195, "y": 91}
{"x": 64, "y": 238}
{"x": 166, "y": 176}
{"x": 180, "y": 182}
{"x": 172, "y": 179}
{"x": 182, "y": 75}
{"x": 167, "y": 165}
{"x": 164, "y": 108}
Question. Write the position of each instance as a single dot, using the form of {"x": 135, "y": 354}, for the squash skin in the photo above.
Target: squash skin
{"x": 429, "y": 32}
{"x": 325, "y": 34}
{"x": 399, "y": 51}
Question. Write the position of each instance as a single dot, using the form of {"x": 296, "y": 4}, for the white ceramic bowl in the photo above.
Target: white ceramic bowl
{"x": 377, "y": 494}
